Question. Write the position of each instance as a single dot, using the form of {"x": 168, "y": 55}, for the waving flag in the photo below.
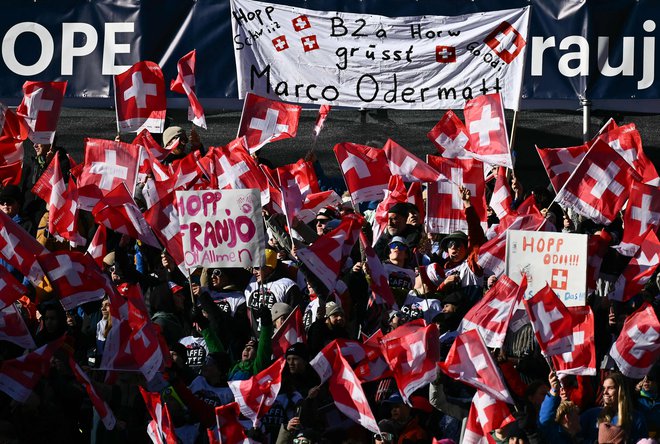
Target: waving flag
{"x": 264, "y": 121}
{"x": 13, "y": 328}
{"x": 185, "y": 84}
{"x": 290, "y": 332}
{"x": 560, "y": 163}
{"x": 41, "y": 106}
{"x": 140, "y": 98}
{"x": 500, "y": 200}
{"x": 324, "y": 110}
{"x": 450, "y": 137}
{"x": 97, "y": 248}
{"x": 405, "y": 164}
{"x": 626, "y": 141}
{"x": 639, "y": 270}
{"x": 20, "y": 249}
{"x": 229, "y": 429}
{"x": 365, "y": 170}
{"x": 641, "y": 216}
{"x": 486, "y": 126}
{"x": 163, "y": 218}
{"x": 582, "y": 359}
{"x": 101, "y": 407}
{"x": 304, "y": 175}
{"x": 638, "y": 346}
{"x": 161, "y": 427}
{"x": 256, "y": 395}
{"x": 551, "y": 320}
{"x": 10, "y": 289}
{"x": 486, "y": 414}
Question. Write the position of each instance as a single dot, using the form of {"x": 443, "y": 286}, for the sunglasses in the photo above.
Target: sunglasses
{"x": 398, "y": 246}
{"x": 322, "y": 221}
{"x": 454, "y": 244}
{"x": 216, "y": 273}
{"x": 302, "y": 440}
{"x": 112, "y": 268}
{"x": 384, "y": 436}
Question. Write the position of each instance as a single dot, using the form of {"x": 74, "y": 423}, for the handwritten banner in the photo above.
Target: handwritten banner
{"x": 221, "y": 228}
{"x": 372, "y": 61}
{"x": 559, "y": 259}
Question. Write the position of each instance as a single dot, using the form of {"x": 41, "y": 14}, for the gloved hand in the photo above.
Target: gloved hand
{"x": 265, "y": 316}
{"x": 199, "y": 318}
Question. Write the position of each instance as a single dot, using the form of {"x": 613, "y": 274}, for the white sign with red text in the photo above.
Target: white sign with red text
{"x": 558, "y": 259}
{"x": 221, "y": 228}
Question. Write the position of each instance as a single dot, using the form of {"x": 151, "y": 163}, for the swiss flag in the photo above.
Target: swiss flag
{"x": 500, "y": 200}
{"x": 470, "y": 361}
{"x": 365, "y": 170}
{"x": 292, "y": 199}
{"x": 257, "y": 394}
{"x": 12, "y": 134}
{"x": 484, "y": 120}
{"x": 405, "y": 164}
{"x": 163, "y": 218}
{"x": 344, "y": 386}
{"x": 146, "y": 140}
{"x": 582, "y": 359}
{"x": 551, "y": 320}
{"x": 228, "y": 427}
{"x": 101, "y": 407}
{"x": 63, "y": 206}
{"x": 641, "y": 216}
{"x": 118, "y": 211}
{"x": 13, "y": 328}
{"x": 140, "y": 98}
{"x": 381, "y": 293}
{"x": 639, "y": 270}
{"x": 598, "y": 187}
{"x": 638, "y": 346}
{"x": 107, "y": 164}
{"x": 324, "y": 110}
{"x": 304, "y": 175}
{"x": 10, "y": 174}
{"x": 185, "y": 84}
{"x": 41, "y": 106}
{"x": 491, "y": 315}
{"x": 365, "y": 358}
{"x": 626, "y": 141}
{"x": 20, "y": 249}
{"x": 506, "y": 41}
{"x": 315, "y": 201}
{"x": 161, "y": 427}
{"x": 97, "y": 248}
{"x": 486, "y": 414}
{"x": 10, "y": 289}
{"x": 75, "y": 277}
{"x": 264, "y": 121}
{"x": 597, "y": 247}
{"x": 445, "y": 212}
{"x": 395, "y": 193}
{"x": 290, "y": 332}
{"x": 412, "y": 351}
{"x": 236, "y": 169}
{"x": 560, "y": 163}
{"x": 450, "y": 137}
{"x": 326, "y": 256}
{"x": 19, "y": 376}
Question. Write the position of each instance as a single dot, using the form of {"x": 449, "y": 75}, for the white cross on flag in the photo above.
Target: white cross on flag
{"x": 265, "y": 120}
{"x": 559, "y": 163}
{"x": 381, "y": 293}
{"x": 445, "y": 212}
{"x": 118, "y": 211}
{"x": 551, "y": 320}
{"x": 41, "y": 106}
{"x": 20, "y": 249}
{"x": 315, "y": 201}
{"x": 326, "y": 256}
{"x": 469, "y": 361}
{"x": 365, "y": 171}
{"x": 146, "y": 140}
{"x": 18, "y": 377}
{"x": 256, "y": 395}
{"x": 486, "y": 414}
{"x": 500, "y": 200}
{"x": 13, "y": 328}
{"x": 638, "y": 346}
{"x": 405, "y": 164}
{"x": 140, "y": 98}
{"x": 97, "y": 248}
{"x": 161, "y": 426}
{"x": 450, "y": 137}
{"x": 75, "y": 277}
{"x": 185, "y": 84}
{"x": 491, "y": 315}
{"x": 582, "y": 359}
{"x": 626, "y": 141}
{"x": 639, "y": 270}
{"x": 344, "y": 386}
{"x": 395, "y": 193}
{"x": 365, "y": 358}
{"x": 107, "y": 164}
{"x": 304, "y": 175}
{"x": 599, "y": 186}
{"x": 163, "y": 218}
{"x": 324, "y": 110}
{"x": 12, "y": 134}
{"x": 101, "y": 407}
{"x": 10, "y": 289}
{"x": 290, "y": 332}
{"x": 486, "y": 127}
{"x": 412, "y": 351}
{"x": 641, "y": 216}
{"x": 229, "y": 429}
{"x": 63, "y": 207}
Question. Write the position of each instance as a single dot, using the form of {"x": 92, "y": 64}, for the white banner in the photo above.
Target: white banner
{"x": 221, "y": 228}
{"x": 559, "y": 259}
{"x": 371, "y": 61}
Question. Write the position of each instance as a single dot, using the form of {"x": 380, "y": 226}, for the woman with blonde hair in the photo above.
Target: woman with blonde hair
{"x": 616, "y": 413}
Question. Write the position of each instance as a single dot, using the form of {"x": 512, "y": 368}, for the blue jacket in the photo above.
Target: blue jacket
{"x": 551, "y": 431}
{"x": 589, "y": 423}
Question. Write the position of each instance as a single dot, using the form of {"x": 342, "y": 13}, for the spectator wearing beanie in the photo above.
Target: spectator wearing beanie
{"x": 330, "y": 324}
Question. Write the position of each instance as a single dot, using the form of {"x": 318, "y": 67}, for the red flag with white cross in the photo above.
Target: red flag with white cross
{"x": 20, "y": 249}
{"x": 41, "y": 106}
{"x": 265, "y": 120}
{"x": 140, "y": 98}
{"x": 639, "y": 270}
{"x": 290, "y": 332}
{"x": 98, "y": 248}
{"x": 161, "y": 426}
{"x": 551, "y": 320}
{"x": 638, "y": 346}
{"x": 450, "y": 137}
{"x": 163, "y": 218}
{"x": 582, "y": 359}
{"x": 559, "y": 163}
{"x": 627, "y": 141}
{"x": 185, "y": 84}
{"x": 256, "y": 395}
{"x": 445, "y": 211}
{"x": 13, "y": 328}
{"x": 365, "y": 170}
{"x": 500, "y": 200}
{"x": 599, "y": 186}
{"x": 641, "y": 216}
{"x": 405, "y": 164}
{"x": 10, "y": 289}
{"x": 486, "y": 127}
